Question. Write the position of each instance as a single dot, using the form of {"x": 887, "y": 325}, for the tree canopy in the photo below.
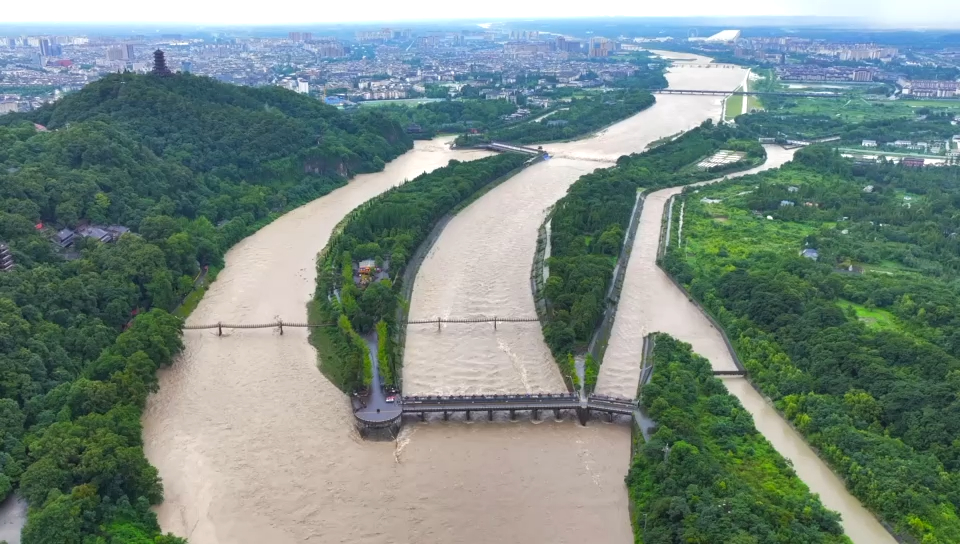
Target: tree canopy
{"x": 190, "y": 166}
{"x": 859, "y": 348}
{"x": 707, "y": 475}
{"x": 387, "y": 229}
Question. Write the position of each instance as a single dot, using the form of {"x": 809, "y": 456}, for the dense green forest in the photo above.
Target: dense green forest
{"x": 387, "y": 229}
{"x": 860, "y": 347}
{"x": 190, "y": 166}
{"x": 707, "y": 475}
{"x": 579, "y": 117}
{"x": 588, "y": 225}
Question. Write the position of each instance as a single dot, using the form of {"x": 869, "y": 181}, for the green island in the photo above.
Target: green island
{"x": 578, "y": 117}
{"x": 424, "y": 121}
{"x": 706, "y": 474}
{"x": 357, "y": 272}
{"x": 590, "y": 221}
{"x": 114, "y": 203}
{"x": 836, "y": 282}
{"x": 558, "y": 113}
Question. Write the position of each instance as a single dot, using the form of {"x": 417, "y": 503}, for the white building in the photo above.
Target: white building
{"x": 303, "y": 87}
{"x": 725, "y": 36}
{"x": 9, "y": 107}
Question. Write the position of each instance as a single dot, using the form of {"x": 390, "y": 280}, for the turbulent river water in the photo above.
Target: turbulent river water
{"x": 254, "y": 445}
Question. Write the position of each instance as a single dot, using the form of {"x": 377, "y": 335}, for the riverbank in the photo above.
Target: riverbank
{"x": 651, "y": 302}
{"x": 389, "y": 231}
{"x": 251, "y": 440}
{"x": 594, "y": 228}
{"x": 705, "y": 438}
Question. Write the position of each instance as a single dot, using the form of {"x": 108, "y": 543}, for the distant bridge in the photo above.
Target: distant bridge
{"x": 502, "y": 147}
{"x": 280, "y": 324}
{"x": 535, "y": 403}
{"x": 745, "y": 93}
{"x": 737, "y": 373}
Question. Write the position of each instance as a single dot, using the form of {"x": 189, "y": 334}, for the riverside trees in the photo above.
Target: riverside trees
{"x": 388, "y": 229}
{"x": 578, "y": 118}
{"x": 589, "y": 223}
{"x": 858, "y": 348}
{"x": 707, "y": 475}
{"x": 191, "y": 166}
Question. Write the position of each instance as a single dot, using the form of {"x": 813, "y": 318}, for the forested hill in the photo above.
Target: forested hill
{"x": 188, "y": 165}
{"x": 229, "y": 130}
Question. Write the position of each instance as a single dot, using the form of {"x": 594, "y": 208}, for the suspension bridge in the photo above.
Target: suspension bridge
{"x": 438, "y": 321}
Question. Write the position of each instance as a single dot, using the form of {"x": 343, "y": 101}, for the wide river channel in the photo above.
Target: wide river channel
{"x": 254, "y": 445}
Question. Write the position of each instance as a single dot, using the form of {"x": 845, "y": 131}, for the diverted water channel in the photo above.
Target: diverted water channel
{"x": 254, "y": 444}
{"x": 650, "y": 302}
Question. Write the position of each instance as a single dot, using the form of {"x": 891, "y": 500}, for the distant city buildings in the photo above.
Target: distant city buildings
{"x": 929, "y": 88}
{"x": 814, "y": 72}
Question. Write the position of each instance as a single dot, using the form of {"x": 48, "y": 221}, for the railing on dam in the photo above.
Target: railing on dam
{"x": 438, "y": 321}
{"x": 500, "y": 146}
{"x": 447, "y": 404}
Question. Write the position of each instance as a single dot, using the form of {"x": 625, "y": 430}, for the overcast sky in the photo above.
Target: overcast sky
{"x": 899, "y": 13}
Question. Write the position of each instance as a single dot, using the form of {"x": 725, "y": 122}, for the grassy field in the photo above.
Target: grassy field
{"x": 754, "y": 104}
{"x": 734, "y": 106}
{"x": 873, "y": 318}
{"x": 726, "y": 229}
{"x": 858, "y": 110}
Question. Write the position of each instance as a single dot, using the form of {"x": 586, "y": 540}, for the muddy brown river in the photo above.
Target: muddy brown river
{"x": 254, "y": 445}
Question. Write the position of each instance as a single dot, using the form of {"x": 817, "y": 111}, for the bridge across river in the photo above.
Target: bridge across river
{"x": 702, "y": 92}
{"x": 438, "y": 321}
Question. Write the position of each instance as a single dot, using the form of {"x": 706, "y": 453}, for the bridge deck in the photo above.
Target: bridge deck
{"x": 747, "y": 93}
{"x": 500, "y": 403}
{"x": 499, "y": 146}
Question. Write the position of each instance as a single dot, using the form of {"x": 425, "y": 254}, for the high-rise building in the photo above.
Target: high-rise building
{"x": 295, "y": 37}
{"x": 114, "y": 53}
{"x": 307, "y": 36}
{"x": 186, "y": 66}
{"x": 126, "y": 51}
{"x": 600, "y": 47}
{"x": 45, "y": 48}
{"x": 303, "y": 87}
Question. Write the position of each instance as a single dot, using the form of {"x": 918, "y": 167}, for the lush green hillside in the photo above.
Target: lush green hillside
{"x": 190, "y": 166}
{"x": 861, "y": 348}
{"x": 707, "y": 475}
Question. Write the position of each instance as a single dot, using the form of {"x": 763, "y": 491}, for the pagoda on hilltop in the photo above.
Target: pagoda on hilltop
{"x": 160, "y": 64}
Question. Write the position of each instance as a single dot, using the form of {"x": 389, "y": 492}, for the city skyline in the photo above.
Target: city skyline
{"x": 883, "y": 13}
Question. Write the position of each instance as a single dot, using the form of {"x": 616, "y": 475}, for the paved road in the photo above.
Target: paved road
{"x": 377, "y": 408}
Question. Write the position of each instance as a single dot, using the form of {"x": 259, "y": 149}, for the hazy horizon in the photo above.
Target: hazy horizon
{"x": 880, "y": 13}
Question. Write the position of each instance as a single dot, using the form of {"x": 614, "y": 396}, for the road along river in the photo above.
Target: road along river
{"x": 254, "y": 445}
{"x": 650, "y": 302}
